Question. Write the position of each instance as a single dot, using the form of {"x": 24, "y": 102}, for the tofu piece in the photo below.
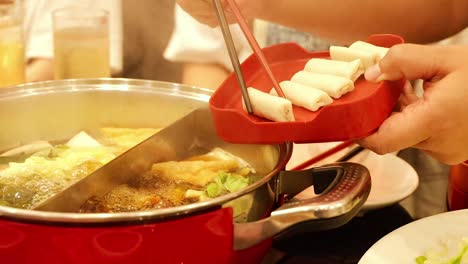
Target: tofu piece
{"x": 346, "y": 54}
{"x": 197, "y": 172}
{"x": 334, "y": 86}
{"x": 347, "y": 69}
{"x": 304, "y": 96}
{"x": 271, "y": 107}
{"x": 83, "y": 140}
{"x": 364, "y": 46}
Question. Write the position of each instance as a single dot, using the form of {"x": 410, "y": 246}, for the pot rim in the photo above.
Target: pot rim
{"x": 122, "y": 84}
{"x": 105, "y": 84}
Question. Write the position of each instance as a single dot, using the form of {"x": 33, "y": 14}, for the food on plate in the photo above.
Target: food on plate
{"x": 31, "y": 173}
{"x": 269, "y": 106}
{"x": 361, "y": 45}
{"x": 347, "y": 69}
{"x": 305, "y": 96}
{"x": 453, "y": 251}
{"x": 334, "y": 86}
{"x": 335, "y": 77}
{"x": 173, "y": 183}
{"x": 347, "y": 54}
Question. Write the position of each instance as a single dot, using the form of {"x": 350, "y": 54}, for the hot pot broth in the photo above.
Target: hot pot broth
{"x": 174, "y": 183}
{"x": 32, "y": 173}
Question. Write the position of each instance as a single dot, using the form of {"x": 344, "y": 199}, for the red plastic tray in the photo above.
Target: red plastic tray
{"x": 355, "y": 115}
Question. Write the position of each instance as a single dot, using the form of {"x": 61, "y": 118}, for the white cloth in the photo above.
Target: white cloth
{"x": 192, "y": 41}
{"x": 39, "y": 32}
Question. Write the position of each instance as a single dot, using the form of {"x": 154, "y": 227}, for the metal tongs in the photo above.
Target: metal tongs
{"x": 233, "y": 53}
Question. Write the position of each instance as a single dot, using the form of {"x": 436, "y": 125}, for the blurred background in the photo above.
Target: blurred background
{"x": 157, "y": 40}
{"x": 147, "y": 28}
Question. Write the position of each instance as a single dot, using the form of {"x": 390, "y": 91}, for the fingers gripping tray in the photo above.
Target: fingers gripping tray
{"x": 355, "y": 115}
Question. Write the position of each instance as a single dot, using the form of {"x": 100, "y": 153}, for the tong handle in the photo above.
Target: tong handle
{"x": 254, "y": 45}
{"x": 233, "y": 54}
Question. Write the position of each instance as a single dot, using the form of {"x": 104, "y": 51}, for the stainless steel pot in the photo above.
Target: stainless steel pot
{"x": 57, "y": 110}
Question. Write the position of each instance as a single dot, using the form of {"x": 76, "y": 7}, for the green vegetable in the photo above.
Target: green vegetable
{"x": 236, "y": 182}
{"x": 4, "y": 203}
{"x": 47, "y": 152}
{"x": 49, "y": 171}
{"x": 421, "y": 259}
{"x": 214, "y": 190}
{"x": 226, "y": 182}
{"x": 451, "y": 252}
{"x": 221, "y": 179}
{"x": 16, "y": 158}
{"x": 52, "y": 152}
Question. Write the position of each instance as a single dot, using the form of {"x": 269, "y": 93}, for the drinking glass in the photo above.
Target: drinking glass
{"x": 81, "y": 43}
{"x": 12, "y": 57}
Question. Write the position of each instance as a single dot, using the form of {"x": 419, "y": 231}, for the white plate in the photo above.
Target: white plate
{"x": 392, "y": 178}
{"x": 405, "y": 244}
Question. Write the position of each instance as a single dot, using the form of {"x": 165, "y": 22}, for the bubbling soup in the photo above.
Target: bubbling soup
{"x": 32, "y": 173}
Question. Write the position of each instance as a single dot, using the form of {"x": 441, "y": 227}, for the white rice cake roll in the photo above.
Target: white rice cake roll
{"x": 347, "y": 69}
{"x": 334, "y": 86}
{"x": 268, "y": 106}
{"x": 304, "y": 96}
{"x": 346, "y": 54}
{"x": 361, "y": 45}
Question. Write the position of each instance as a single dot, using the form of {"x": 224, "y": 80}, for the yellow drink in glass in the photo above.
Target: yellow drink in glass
{"x": 81, "y": 53}
{"x": 12, "y": 57}
{"x": 81, "y": 43}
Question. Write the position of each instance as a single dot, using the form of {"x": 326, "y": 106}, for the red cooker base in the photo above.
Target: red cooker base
{"x": 205, "y": 238}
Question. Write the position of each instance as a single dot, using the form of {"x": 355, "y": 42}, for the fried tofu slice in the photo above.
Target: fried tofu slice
{"x": 195, "y": 172}
{"x": 127, "y": 137}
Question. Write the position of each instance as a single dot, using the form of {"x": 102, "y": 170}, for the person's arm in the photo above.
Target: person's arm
{"x": 419, "y": 21}
{"x": 39, "y": 39}
{"x": 205, "y": 75}
{"x": 345, "y": 21}
{"x": 202, "y": 51}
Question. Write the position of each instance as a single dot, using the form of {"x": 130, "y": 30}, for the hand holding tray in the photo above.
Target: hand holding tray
{"x": 355, "y": 115}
